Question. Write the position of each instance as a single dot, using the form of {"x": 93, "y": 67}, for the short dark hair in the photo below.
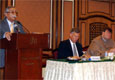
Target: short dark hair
{"x": 76, "y": 30}
{"x": 107, "y": 28}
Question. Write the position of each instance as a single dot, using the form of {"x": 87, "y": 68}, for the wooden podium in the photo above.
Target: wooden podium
{"x": 23, "y": 58}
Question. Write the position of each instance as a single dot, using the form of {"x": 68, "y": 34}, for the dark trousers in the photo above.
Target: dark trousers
{"x": 2, "y": 58}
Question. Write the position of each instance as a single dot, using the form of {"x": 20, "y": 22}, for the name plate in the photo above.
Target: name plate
{"x": 95, "y": 58}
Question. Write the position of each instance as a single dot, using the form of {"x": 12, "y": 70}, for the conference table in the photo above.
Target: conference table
{"x": 63, "y": 69}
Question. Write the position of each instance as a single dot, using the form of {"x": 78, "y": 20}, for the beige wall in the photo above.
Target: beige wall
{"x": 67, "y": 19}
{"x": 34, "y": 14}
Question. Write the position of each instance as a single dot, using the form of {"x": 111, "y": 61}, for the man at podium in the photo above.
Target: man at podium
{"x": 8, "y": 26}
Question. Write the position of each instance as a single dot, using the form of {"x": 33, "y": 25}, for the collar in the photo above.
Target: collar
{"x": 105, "y": 40}
{"x": 71, "y": 41}
{"x": 9, "y": 22}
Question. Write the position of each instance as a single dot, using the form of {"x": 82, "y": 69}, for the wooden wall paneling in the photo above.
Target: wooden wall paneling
{"x": 98, "y": 7}
{"x": 100, "y": 20}
{"x": 83, "y": 7}
{"x": 54, "y": 24}
{"x": 67, "y": 19}
{"x": 59, "y": 22}
{"x": 83, "y": 34}
{"x": 9, "y": 2}
{"x": 57, "y": 6}
{"x": 113, "y": 10}
{"x": 113, "y": 34}
{"x": 4, "y": 5}
{"x": 95, "y": 12}
{"x": 76, "y": 13}
{"x": 87, "y": 34}
{"x": 93, "y": 9}
{"x": 110, "y": 7}
{"x": 34, "y": 14}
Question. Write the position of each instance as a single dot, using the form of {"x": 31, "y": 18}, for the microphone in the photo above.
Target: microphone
{"x": 16, "y": 28}
{"x": 25, "y": 29}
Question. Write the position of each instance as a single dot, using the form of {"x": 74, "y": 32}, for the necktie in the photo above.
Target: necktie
{"x": 12, "y": 28}
{"x": 75, "y": 51}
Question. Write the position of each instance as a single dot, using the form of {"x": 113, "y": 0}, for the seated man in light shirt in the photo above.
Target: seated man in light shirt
{"x": 102, "y": 44}
{"x": 70, "y": 47}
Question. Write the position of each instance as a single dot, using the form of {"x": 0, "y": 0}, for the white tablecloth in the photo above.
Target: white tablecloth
{"x": 56, "y": 70}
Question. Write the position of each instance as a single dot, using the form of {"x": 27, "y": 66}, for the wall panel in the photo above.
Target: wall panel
{"x": 101, "y": 7}
{"x": 113, "y": 34}
{"x": 93, "y": 11}
{"x": 67, "y": 19}
{"x": 113, "y": 10}
{"x": 34, "y": 14}
{"x": 83, "y": 34}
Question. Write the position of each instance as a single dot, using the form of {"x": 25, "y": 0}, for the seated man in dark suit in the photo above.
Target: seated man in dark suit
{"x": 70, "y": 47}
{"x": 8, "y": 26}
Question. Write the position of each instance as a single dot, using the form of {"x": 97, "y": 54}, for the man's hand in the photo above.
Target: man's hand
{"x": 87, "y": 56}
{"x": 8, "y": 35}
{"x": 75, "y": 57}
{"x": 112, "y": 50}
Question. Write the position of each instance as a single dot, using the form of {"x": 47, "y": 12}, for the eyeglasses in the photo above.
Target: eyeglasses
{"x": 13, "y": 12}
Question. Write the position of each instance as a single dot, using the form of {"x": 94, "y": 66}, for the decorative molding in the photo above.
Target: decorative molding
{"x": 78, "y": 14}
{"x": 73, "y": 3}
{"x": 73, "y": 23}
{"x": 51, "y": 24}
{"x": 113, "y": 8}
{"x": 57, "y": 6}
{"x": 96, "y": 29}
{"x": 95, "y": 16}
{"x": 83, "y": 33}
{"x": 96, "y": 11}
{"x": 62, "y": 28}
{"x": 68, "y": 0}
{"x": 113, "y": 28}
{"x": 82, "y": 8}
{"x": 104, "y": 1}
{"x": 13, "y": 2}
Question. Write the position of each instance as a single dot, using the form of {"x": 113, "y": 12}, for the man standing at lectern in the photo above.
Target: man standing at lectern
{"x": 8, "y": 26}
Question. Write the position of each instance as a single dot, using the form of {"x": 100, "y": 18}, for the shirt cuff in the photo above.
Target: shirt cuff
{"x": 4, "y": 36}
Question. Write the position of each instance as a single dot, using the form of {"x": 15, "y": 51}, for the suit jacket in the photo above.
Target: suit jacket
{"x": 65, "y": 49}
{"x": 4, "y": 27}
{"x": 98, "y": 46}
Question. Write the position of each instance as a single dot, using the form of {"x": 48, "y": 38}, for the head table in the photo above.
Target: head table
{"x": 73, "y": 70}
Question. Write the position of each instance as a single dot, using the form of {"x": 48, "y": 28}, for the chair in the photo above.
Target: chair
{"x": 85, "y": 48}
{"x": 55, "y": 53}
{"x": 47, "y": 54}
